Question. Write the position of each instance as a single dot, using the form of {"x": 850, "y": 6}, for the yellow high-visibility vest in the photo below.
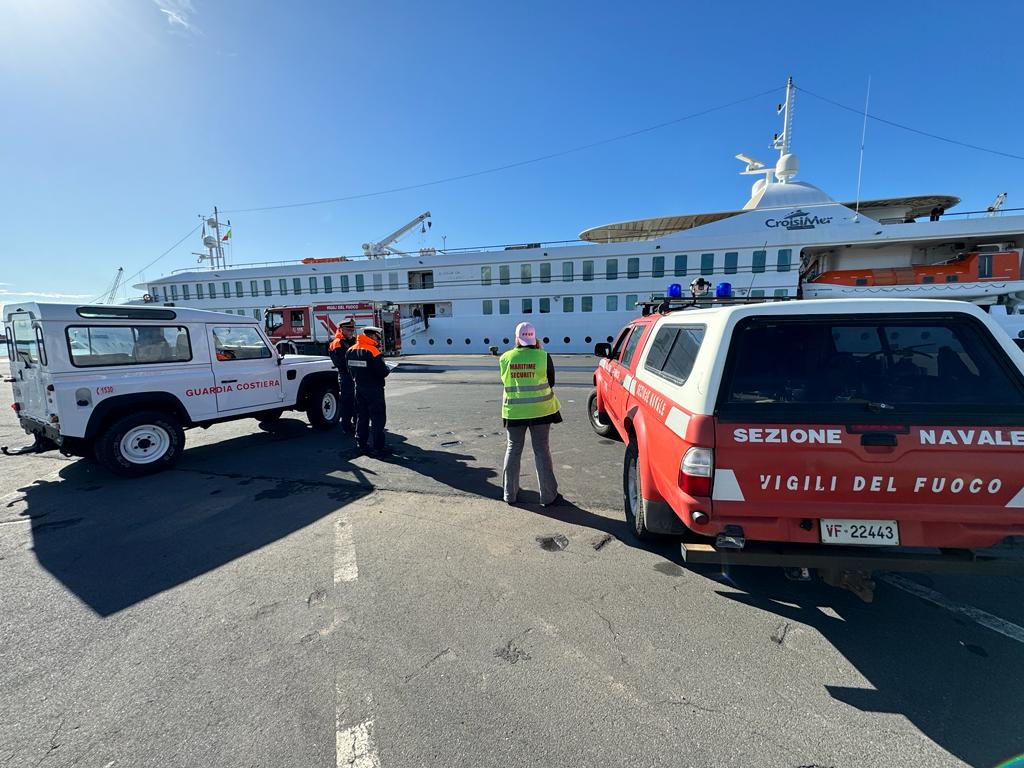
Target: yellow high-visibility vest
{"x": 524, "y": 374}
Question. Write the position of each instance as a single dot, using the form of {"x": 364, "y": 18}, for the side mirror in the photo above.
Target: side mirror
{"x": 493, "y": 351}
{"x": 603, "y": 349}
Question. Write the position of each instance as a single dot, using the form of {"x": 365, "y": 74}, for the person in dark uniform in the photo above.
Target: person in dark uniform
{"x": 344, "y": 339}
{"x": 367, "y": 367}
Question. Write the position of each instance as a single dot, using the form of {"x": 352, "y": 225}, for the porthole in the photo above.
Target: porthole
{"x": 468, "y": 341}
{"x": 610, "y": 339}
{"x": 566, "y": 339}
{"x": 430, "y": 342}
{"x": 449, "y": 342}
{"x": 547, "y": 340}
{"x": 486, "y": 340}
{"x": 588, "y": 339}
{"x": 414, "y": 342}
{"x": 505, "y": 340}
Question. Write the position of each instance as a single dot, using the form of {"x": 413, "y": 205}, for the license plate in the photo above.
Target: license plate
{"x": 875, "y": 533}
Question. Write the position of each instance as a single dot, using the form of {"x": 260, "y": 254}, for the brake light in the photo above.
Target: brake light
{"x": 16, "y": 407}
{"x": 696, "y": 470}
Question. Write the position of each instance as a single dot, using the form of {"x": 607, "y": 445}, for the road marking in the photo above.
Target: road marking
{"x": 345, "y": 568}
{"x": 978, "y": 616}
{"x": 355, "y": 746}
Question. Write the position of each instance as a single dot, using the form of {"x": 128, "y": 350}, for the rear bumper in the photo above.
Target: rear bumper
{"x": 41, "y": 428}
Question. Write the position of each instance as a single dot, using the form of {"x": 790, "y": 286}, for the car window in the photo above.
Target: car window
{"x": 623, "y": 334}
{"x": 94, "y": 345}
{"x": 25, "y": 344}
{"x": 631, "y": 344}
{"x": 889, "y": 365}
{"x": 674, "y": 352}
{"x": 234, "y": 342}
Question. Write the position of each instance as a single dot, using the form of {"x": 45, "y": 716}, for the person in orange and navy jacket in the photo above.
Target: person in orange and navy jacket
{"x": 344, "y": 338}
{"x": 367, "y": 367}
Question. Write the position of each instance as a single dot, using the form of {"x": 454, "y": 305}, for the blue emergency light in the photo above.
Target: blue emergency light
{"x": 675, "y": 291}
{"x": 723, "y": 291}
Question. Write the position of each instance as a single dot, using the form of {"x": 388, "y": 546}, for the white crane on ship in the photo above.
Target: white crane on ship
{"x": 385, "y": 246}
{"x": 118, "y": 278}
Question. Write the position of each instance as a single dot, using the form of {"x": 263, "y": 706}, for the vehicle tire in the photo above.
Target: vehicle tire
{"x": 632, "y": 494}
{"x": 323, "y": 406}
{"x": 598, "y": 419}
{"x": 141, "y": 443}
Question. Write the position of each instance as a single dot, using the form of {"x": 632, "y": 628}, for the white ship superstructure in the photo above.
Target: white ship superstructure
{"x": 790, "y": 240}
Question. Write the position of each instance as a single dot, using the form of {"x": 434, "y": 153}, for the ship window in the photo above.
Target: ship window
{"x": 567, "y": 272}
{"x": 393, "y": 281}
{"x": 630, "y": 302}
{"x": 732, "y": 259}
{"x": 421, "y": 280}
{"x": 360, "y": 283}
{"x": 185, "y": 294}
{"x": 658, "y": 266}
{"x": 760, "y": 257}
{"x": 174, "y": 293}
{"x": 282, "y": 286}
{"x": 267, "y": 290}
{"x": 213, "y": 290}
{"x": 296, "y": 286}
{"x": 611, "y": 303}
{"x": 199, "y": 290}
{"x": 164, "y": 287}
{"x": 504, "y": 274}
{"x": 588, "y": 270}
{"x": 503, "y": 306}
{"x": 545, "y": 272}
{"x": 343, "y": 282}
{"x": 239, "y": 290}
{"x": 781, "y": 293}
{"x": 632, "y": 268}
{"x": 485, "y": 275}
{"x": 952, "y": 278}
{"x": 567, "y": 303}
{"x": 566, "y": 340}
{"x": 378, "y": 281}
{"x": 527, "y": 306}
{"x": 757, "y": 293}
{"x": 545, "y": 305}
{"x": 611, "y": 269}
{"x": 257, "y": 314}
{"x": 227, "y": 290}
{"x": 985, "y": 265}
{"x": 707, "y": 263}
{"x": 328, "y": 284}
{"x": 312, "y": 284}
{"x": 586, "y": 304}
{"x": 255, "y": 287}
{"x": 924, "y": 279}
{"x": 154, "y": 291}
{"x": 526, "y": 273}
{"x": 785, "y": 258}
{"x": 488, "y": 307}
{"x": 680, "y": 265}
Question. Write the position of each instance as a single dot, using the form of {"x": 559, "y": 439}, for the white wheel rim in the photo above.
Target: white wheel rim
{"x": 329, "y": 405}
{"x": 145, "y": 444}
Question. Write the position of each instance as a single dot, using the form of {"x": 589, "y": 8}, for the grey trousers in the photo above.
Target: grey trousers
{"x": 539, "y": 438}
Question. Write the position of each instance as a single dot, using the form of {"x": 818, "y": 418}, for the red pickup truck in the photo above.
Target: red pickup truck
{"x": 833, "y": 424}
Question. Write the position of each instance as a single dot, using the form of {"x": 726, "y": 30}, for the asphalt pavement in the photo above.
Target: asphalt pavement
{"x": 278, "y": 600}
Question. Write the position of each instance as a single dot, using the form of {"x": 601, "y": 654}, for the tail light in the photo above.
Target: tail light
{"x": 16, "y": 407}
{"x": 696, "y": 470}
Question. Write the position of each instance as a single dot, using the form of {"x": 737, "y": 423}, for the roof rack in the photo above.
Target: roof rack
{"x": 662, "y": 305}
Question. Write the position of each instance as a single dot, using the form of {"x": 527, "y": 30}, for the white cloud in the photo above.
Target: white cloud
{"x": 179, "y": 14}
{"x": 13, "y": 297}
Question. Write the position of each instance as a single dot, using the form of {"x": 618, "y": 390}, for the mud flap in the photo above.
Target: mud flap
{"x": 661, "y": 519}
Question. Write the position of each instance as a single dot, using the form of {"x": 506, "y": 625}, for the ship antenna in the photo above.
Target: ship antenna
{"x": 860, "y": 162}
{"x": 782, "y": 141}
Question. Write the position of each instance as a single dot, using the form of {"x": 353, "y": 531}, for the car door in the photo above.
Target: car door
{"x": 619, "y": 367}
{"x": 246, "y": 373}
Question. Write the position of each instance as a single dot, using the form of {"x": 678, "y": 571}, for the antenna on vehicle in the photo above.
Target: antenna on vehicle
{"x": 860, "y": 162}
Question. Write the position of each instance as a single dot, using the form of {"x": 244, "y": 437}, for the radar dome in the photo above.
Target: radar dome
{"x": 787, "y": 167}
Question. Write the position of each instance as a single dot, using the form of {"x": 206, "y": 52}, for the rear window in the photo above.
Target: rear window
{"x": 26, "y": 341}
{"x": 674, "y": 351}
{"x": 96, "y": 345}
{"x": 938, "y": 368}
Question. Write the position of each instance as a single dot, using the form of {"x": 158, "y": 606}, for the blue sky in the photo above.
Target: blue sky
{"x": 124, "y": 120}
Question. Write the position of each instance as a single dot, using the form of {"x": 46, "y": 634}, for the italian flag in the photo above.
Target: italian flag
{"x": 227, "y": 236}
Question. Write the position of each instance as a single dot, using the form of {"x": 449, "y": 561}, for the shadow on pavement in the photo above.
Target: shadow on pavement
{"x": 959, "y": 684}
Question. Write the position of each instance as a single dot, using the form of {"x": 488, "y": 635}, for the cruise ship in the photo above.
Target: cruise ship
{"x": 790, "y": 240}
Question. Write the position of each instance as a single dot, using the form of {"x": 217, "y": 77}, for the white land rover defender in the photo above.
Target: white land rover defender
{"x": 122, "y": 383}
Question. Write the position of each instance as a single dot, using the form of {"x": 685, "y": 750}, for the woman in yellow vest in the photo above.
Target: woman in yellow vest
{"x": 529, "y": 405}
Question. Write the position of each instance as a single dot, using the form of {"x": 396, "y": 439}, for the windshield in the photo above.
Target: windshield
{"x": 274, "y": 320}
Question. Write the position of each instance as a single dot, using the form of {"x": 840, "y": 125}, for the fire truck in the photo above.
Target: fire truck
{"x": 307, "y": 329}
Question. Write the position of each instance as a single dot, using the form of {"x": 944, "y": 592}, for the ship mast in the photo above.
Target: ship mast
{"x": 213, "y": 243}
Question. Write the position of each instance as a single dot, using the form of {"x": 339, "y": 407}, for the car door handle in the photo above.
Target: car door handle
{"x": 878, "y": 439}
{"x": 229, "y": 381}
